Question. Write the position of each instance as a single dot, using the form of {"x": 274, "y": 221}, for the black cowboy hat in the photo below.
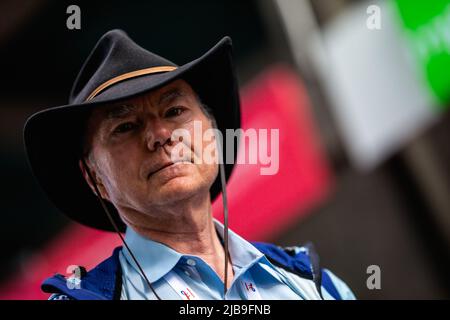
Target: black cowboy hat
{"x": 117, "y": 69}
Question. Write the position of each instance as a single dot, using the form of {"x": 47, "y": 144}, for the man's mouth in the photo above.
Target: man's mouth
{"x": 165, "y": 165}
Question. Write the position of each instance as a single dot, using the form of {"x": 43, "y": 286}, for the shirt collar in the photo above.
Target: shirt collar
{"x": 242, "y": 253}
{"x": 157, "y": 259}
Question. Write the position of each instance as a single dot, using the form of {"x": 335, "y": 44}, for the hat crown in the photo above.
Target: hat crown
{"x": 113, "y": 55}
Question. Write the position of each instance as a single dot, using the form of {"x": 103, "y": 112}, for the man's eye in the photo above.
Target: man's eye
{"x": 175, "y": 111}
{"x": 125, "y": 127}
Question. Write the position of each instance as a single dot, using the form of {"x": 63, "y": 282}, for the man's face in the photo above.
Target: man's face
{"x": 130, "y": 145}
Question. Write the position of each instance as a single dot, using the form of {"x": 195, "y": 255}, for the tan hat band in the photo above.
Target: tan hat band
{"x": 128, "y": 75}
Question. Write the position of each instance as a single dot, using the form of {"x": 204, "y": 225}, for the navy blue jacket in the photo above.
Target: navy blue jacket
{"x": 104, "y": 282}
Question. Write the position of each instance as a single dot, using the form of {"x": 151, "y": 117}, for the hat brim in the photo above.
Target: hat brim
{"x": 53, "y": 136}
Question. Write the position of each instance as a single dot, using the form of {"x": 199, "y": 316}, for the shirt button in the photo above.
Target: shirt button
{"x": 190, "y": 262}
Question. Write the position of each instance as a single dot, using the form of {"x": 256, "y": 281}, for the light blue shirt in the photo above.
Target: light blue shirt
{"x": 159, "y": 260}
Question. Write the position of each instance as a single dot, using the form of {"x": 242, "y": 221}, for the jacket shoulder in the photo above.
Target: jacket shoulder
{"x": 304, "y": 262}
{"x": 101, "y": 283}
{"x": 295, "y": 259}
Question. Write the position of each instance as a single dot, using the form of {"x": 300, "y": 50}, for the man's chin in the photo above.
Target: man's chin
{"x": 176, "y": 189}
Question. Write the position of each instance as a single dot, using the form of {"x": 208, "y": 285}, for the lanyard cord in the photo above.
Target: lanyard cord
{"x": 105, "y": 208}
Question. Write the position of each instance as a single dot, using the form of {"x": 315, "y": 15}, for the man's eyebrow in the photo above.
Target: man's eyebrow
{"x": 119, "y": 111}
{"x": 123, "y": 110}
{"x": 170, "y": 95}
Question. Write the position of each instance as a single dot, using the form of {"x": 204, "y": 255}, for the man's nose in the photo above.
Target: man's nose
{"x": 157, "y": 134}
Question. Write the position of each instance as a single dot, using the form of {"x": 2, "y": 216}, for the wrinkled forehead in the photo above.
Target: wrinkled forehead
{"x": 156, "y": 97}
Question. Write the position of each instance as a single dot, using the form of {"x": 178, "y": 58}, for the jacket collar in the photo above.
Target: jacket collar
{"x": 104, "y": 281}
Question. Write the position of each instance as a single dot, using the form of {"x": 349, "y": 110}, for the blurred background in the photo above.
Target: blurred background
{"x": 360, "y": 91}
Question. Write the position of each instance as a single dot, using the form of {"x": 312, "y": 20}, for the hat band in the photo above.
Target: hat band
{"x": 128, "y": 75}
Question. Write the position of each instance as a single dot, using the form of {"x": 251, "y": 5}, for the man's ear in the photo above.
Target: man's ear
{"x": 98, "y": 181}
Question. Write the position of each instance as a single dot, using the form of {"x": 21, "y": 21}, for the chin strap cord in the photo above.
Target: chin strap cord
{"x": 105, "y": 208}
{"x": 225, "y": 224}
{"x": 223, "y": 183}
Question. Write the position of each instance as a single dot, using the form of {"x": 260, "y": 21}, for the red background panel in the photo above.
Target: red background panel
{"x": 261, "y": 206}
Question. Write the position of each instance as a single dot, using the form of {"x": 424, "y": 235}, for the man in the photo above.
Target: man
{"x": 110, "y": 159}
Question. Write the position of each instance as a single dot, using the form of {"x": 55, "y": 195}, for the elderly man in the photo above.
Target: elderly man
{"x": 110, "y": 160}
